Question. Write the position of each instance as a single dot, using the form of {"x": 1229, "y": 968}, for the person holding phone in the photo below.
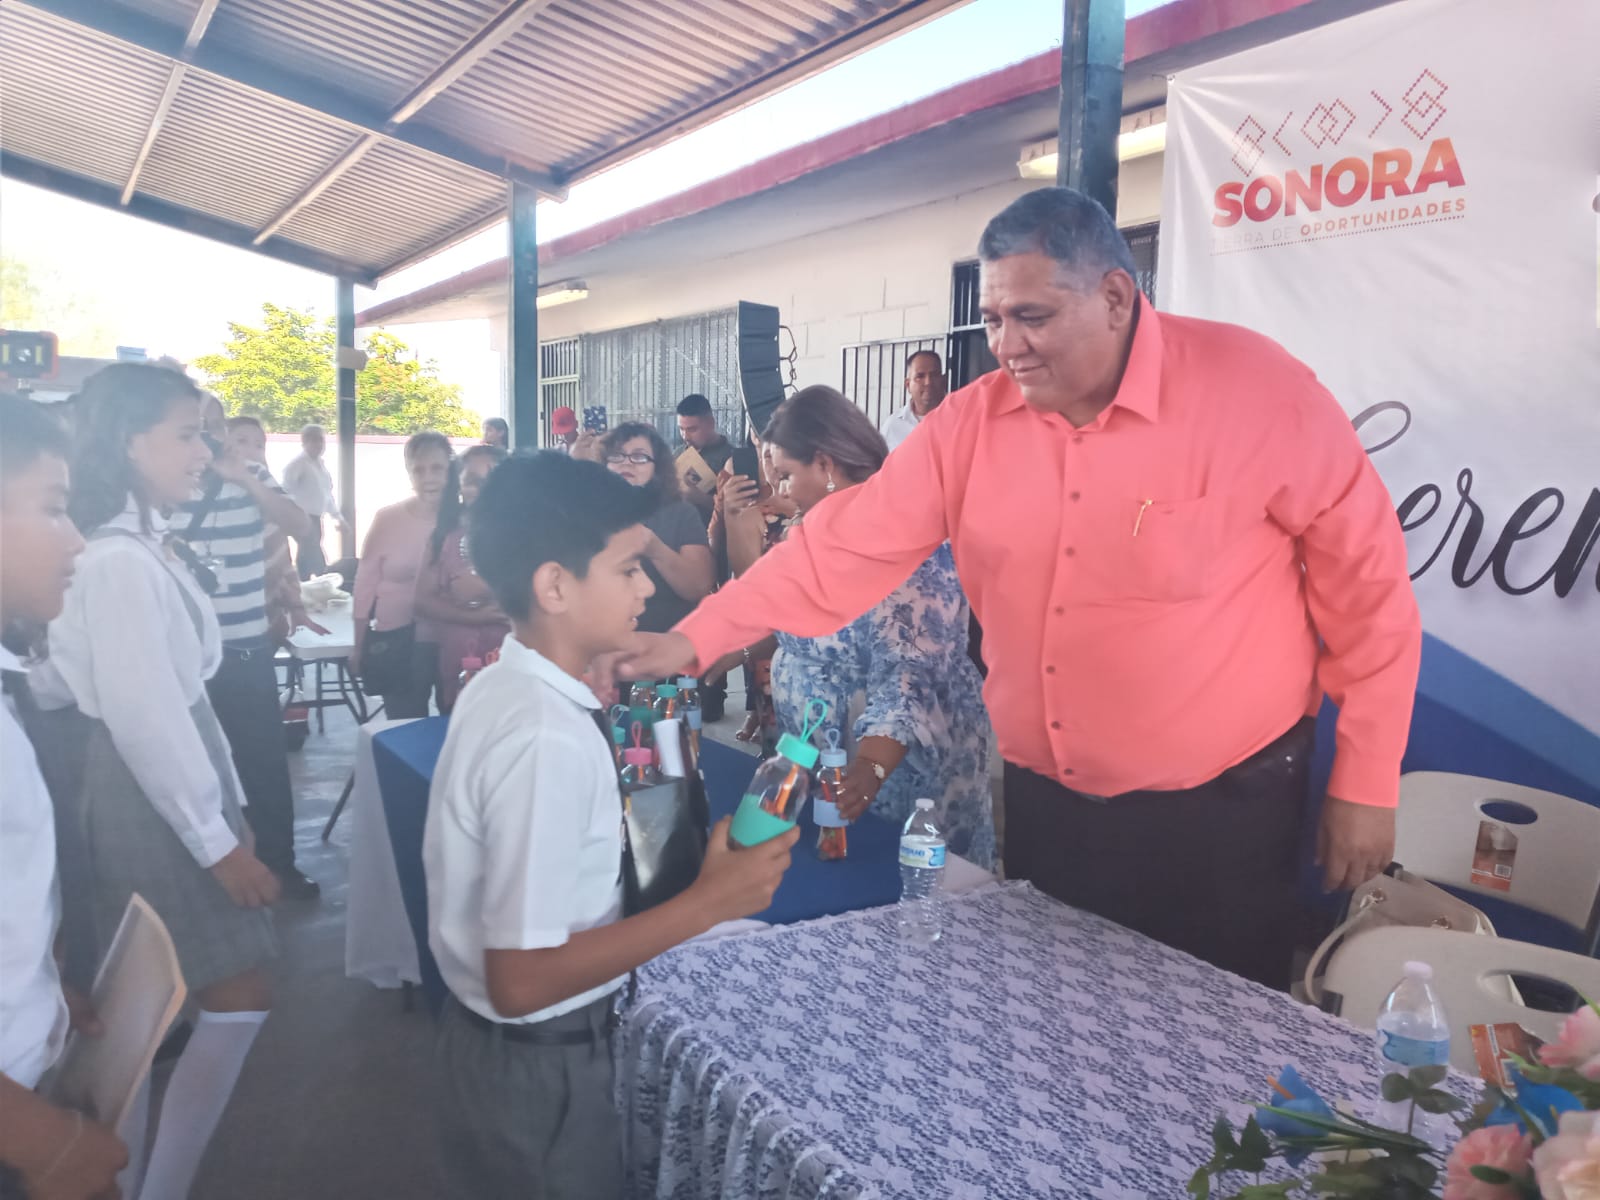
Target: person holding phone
{"x": 748, "y": 520}
{"x": 677, "y": 557}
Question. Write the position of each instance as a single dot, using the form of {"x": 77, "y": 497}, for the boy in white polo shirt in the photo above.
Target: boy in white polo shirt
{"x": 523, "y": 849}
{"x": 53, "y": 1151}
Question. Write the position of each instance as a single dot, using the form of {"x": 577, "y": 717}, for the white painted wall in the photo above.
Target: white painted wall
{"x": 869, "y": 281}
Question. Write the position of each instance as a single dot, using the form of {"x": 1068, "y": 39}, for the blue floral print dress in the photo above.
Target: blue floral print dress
{"x": 902, "y": 671}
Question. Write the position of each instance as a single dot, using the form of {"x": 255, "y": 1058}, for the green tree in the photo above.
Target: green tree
{"x": 35, "y": 298}
{"x": 282, "y": 372}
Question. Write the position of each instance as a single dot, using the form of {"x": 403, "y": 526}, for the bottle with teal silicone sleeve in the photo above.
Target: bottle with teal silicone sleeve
{"x": 772, "y": 802}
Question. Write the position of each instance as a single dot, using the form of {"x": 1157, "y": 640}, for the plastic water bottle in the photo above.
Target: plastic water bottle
{"x": 921, "y": 877}
{"x": 1413, "y": 1031}
{"x": 832, "y": 839}
{"x": 772, "y": 802}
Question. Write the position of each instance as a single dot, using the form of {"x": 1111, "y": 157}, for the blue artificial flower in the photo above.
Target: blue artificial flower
{"x": 1305, "y": 1100}
{"x": 1543, "y": 1102}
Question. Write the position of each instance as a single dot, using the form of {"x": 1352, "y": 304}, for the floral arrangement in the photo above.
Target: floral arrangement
{"x": 1536, "y": 1139}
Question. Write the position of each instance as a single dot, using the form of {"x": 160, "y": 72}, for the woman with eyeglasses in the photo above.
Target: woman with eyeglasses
{"x": 678, "y": 558}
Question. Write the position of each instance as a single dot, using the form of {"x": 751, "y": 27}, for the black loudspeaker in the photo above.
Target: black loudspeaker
{"x": 760, "y": 381}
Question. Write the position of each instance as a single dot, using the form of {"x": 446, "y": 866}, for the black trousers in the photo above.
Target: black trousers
{"x": 1211, "y": 870}
{"x": 244, "y": 694}
{"x": 308, "y": 556}
{"x": 412, "y": 701}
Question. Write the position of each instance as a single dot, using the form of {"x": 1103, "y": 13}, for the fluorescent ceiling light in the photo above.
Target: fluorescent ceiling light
{"x": 1142, "y": 134}
{"x": 561, "y": 293}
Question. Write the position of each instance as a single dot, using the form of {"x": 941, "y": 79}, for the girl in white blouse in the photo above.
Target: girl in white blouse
{"x": 158, "y": 799}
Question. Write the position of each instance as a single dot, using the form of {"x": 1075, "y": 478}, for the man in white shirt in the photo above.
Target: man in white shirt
{"x": 925, "y": 390}
{"x": 310, "y": 485}
{"x": 523, "y": 849}
{"x": 37, "y": 1140}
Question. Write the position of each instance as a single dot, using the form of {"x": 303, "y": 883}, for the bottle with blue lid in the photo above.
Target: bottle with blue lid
{"x": 772, "y": 802}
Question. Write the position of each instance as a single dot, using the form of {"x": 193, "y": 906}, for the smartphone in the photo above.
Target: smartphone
{"x": 746, "y": 463}
{"x": 595, "y": 419}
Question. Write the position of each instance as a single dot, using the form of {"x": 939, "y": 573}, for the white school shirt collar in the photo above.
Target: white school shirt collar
{"x": 10, "y": 662}
{"x": 529, "y": 661}
{"x": 129, "y": 520}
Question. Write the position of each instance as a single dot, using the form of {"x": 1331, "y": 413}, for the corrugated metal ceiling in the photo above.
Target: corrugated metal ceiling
{"x": 356, "y": 136}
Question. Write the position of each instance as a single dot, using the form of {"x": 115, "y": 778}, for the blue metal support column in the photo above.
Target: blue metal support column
{"x": 345, "y": 369}
{"x": 523, "y": 313}
{"x": 1091, "y": 98}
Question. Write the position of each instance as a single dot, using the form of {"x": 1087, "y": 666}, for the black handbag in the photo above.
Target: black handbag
{"x": 386, "y": 658}
{"x": 666, "y": 829}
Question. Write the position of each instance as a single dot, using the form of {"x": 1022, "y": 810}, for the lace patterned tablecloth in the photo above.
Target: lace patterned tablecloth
{"x": 1036, "y": 1051}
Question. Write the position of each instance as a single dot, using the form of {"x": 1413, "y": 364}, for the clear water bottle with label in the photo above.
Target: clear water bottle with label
{"x": 1413, "y": 1031}
{"x": 922, "y": 854}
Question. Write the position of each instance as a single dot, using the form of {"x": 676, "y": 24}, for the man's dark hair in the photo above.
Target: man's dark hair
{"x": 1062, "y": 224}
{"x": 546, "y": 507}
{"x": 238, "y": 422}
{"x": 694, "y": 405}
{"x": 498, "y": 424}
{"x": 911, "y": 359}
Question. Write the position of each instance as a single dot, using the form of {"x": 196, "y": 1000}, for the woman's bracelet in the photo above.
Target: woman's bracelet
{"x": 61, "y": 1155}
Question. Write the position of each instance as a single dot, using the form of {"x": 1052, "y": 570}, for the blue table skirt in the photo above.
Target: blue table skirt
{"x": 870, "y": 876}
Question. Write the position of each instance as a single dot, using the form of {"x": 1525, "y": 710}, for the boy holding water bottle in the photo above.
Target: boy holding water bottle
{"x": 524, "y": 850}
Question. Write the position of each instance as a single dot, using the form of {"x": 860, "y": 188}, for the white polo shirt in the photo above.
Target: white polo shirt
{"x": 33, "y": 1014}
{"x": 900, "y": 425}
{"x": 523, "y": 845}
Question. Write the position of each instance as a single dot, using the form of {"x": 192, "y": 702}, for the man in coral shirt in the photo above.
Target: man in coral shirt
{"x": 1175, "y": 545}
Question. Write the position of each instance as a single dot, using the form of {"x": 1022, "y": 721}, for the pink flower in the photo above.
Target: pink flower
{"x": 1578, "y": 1045}
{"x": 1504, "y": 1147}
{"x": 1568, "y": 1165}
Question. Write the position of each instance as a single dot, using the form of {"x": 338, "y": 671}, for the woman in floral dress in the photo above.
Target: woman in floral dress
{"x": 898, "y": 682}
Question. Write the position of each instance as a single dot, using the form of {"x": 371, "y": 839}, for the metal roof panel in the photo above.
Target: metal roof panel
{"x": 358, "y": 130}
{"x": 81, "y": 102}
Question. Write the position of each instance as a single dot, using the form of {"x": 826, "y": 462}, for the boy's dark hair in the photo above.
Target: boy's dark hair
{"x": 28, "y": 432}
{"x": 546, "y": 507}
{"x": 240, "y": 422}
{"x": 694, "y": 405}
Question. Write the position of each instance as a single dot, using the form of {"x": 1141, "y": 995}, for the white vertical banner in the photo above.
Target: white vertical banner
{"x": 1409, "y": 201}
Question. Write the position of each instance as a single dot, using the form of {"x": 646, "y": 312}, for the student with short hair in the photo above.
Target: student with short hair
{"x": 48, "y": 1147}
{"x": 523, "y": 849}
{"x": 157, "y": 796}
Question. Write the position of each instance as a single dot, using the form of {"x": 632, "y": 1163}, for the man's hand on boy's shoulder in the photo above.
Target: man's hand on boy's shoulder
{"x": 649, "y": 656}
{"x": 740, "y": 882}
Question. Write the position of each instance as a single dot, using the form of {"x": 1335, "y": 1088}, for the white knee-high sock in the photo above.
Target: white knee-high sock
{"x": 196, "y": 1095}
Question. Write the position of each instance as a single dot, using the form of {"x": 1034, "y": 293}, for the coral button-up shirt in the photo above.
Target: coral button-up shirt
{"x": 1163, "y": 591}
